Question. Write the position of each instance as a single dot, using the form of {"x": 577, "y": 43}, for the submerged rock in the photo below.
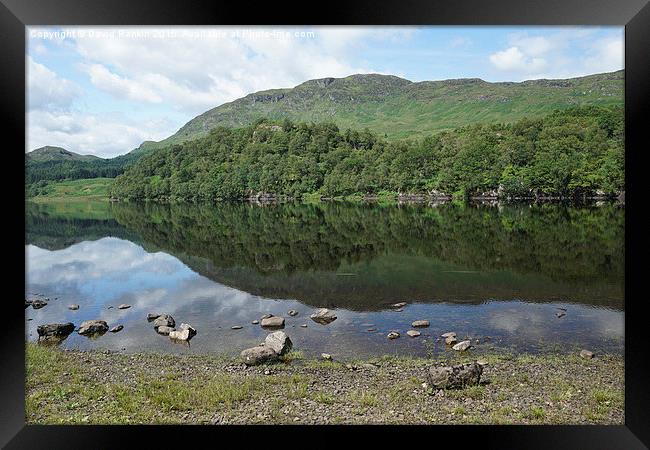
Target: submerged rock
{"x": 455, "y": 377}
{"x": 152, "y": 316}
{"x": 73, "y": 307}
{"x": 462, "y": 346}
{"x": 93, "y": 327}
{"x": 124, "y": 306}
{"x": 116, "y": 328}
{"x": 273, "y": 322}
{"x": 413, "y": 333}
{"x": 323, "y": 316}
{"x": 420, "y": 324}
{"x": 293, "y": 312}
{"x": 393, "y": 335}
{"x": 165, "y": 330}
{"x": 450, "y": 340}
{"x": 255, "y": 322}
{"x": 164, "y": 320}
{"x": 448, "y": 334}
{"x": 184, "y": 333}
{"x": 55, "y": 330}
{"x": 38, "y": 304}
{"x": 258, "y": 355}
{"x": 279, "y": 342}
{"x": 236, "y": 327}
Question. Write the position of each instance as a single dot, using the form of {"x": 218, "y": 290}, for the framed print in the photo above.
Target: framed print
{"x": 413, "y": 216}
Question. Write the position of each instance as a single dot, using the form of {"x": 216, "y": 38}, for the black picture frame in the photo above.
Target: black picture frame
{"x": 15, "y": 15}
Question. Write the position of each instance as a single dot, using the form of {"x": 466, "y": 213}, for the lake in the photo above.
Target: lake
{"x": 498, "y": 274}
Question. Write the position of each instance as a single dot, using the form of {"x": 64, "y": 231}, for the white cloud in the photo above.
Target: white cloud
{"x": 513, "y": 59}
{"x": 104, "y": 135}
{"x": 120, "y": 87}
{"x": 45, "y": 89}
{"x": 606, "y": 55}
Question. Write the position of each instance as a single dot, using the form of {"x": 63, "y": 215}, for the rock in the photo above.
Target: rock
{"x": 413, "y": 333}
{"x": 420, "y": 323}
{"x": 152, "y": 316}
{"x": 73, "y": 307}
{"x": 304, "y": 325}
{"x": 448, "y": 334}
{"x": 371, "y": 329}
{"x": 116, "y": 329}
{"x": 185, "y": 333}
{"x": 124, "y": 306}
{"x": 236, "y": 327}
{"x": 279, "y": 342}
{"x": 273, "y": 322}
{"x": 266, "y": 316}
{"x": 293, "y": 313}
{"x": 368, "y": 366}
{"x": 164, "y": 330}
{"x": 189, "y": 328}
{"x": 55, "y": 329}
{"x": 164, "y": 320}
{"x": 482, "y": 362}
{"x": 462, "y": 346}
{"x": 393, "y": 335}
{"x": 323, "y": 316}
{"x": 560, "y": 314}
{"x": 399, "y": 305}
{"x": 255, "y": 322}
{"x": 93, "y": 327}
{"x": 455, "y": 377}
{"x": 586, "y": 354}
{"x": 258, "y": 355}
{"x": 450, "y": 340}
{"x": 326, "y": 356}
{"x": 38, "y": 304}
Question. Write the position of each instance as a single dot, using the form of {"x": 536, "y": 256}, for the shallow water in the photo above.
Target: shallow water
{"x": 497, "y": 274}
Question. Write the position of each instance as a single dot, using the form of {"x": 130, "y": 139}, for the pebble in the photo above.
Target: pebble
{"x": 255, "y": 322}
{"x": 236, "y": 327}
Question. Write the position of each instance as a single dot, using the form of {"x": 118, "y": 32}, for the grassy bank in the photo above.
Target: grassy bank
{"x": 102, "y": 388}
{"x": 91, "y": 189}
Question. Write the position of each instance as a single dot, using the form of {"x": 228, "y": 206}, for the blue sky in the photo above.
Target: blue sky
{"x": 105, "y": 90}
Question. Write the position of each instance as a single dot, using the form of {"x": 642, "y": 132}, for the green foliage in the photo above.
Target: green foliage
{"x": 567, "y": 153}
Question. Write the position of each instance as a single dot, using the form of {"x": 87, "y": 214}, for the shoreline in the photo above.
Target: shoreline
{"x": 102, "y": 387}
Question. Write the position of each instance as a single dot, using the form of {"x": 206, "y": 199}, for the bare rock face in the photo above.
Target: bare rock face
{"x": 323, "y": 316}
{"x": 273, "y": 322}
{"x": 279, "y": 342}
{"x": 57, "y": 330}
{"x": 455, "y": 377}
{"x": 258, "y": 355}
{"x": 164, "y": 320}
{"x": 90, "y": 327}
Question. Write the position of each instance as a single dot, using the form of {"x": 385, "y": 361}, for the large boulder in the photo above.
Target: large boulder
{"x": 273, "y": 322}
{"x": 455, "y": 377}
{"x": 164, "y": 320}
{"x": 58, "y": 330}
{"x": 93, "y": 327}
{"x": 258, "y": 355}
{"x": 279, "y": 342}
{"x": 323, "y": 316}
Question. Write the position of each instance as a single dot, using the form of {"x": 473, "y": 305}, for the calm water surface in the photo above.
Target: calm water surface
{"x": 497, "y": 274}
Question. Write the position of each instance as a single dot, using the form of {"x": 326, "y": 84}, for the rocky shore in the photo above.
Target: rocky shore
{"x": 101, "y": 387}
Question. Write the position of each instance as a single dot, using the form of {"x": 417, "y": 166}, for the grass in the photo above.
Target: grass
{"x": 83, "y": 189}
{"x": 65, "y": 387}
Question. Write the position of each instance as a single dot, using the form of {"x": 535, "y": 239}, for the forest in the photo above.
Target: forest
{"x": 569, "y": 153}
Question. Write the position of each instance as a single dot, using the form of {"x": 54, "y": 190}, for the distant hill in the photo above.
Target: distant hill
{"x": 49, "y": 153}
{"x": 397, "y": 108}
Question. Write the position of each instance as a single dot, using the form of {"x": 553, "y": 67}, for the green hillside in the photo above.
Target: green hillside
{"x": 49, "y": 153}
{"x": 396, "y": 108}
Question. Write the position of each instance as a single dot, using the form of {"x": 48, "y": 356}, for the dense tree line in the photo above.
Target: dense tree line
{"x": 573, "y": 152}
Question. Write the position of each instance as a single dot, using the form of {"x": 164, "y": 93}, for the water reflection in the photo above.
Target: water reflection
{"x": 482, "y": 272}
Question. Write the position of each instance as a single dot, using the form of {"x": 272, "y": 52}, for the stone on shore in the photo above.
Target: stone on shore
{"x": 323, "y": 316}
{"x": 55, "y": 329}
{"x": 279, "y": 342}
{"x": 165, "y": 330}
{"x": 462, "y": 346}
{"x": 273, "y": 322}
{"x": 455, "y": 377}
{"x": 116, "y": 328}
{"x": 164, "y": 320}
{"x": 93, "y": 327}
{"x": 184, "y": 333}
{"x": 73, "y": 307}
{"x": 450, "y": 340}
{"x": 413, "y": 333}
{"x": 420, "y": 323}
{"x": 258, "y": 355}
{"x": 586, "y": 354}
{"x": 326, "y": 356}
{"x": 448, "y": 334}
{"x": 189, "y": 328}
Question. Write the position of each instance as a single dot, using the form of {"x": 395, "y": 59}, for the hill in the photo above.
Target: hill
{"x": 396, "y": 108}
{"x": 49, "y": 153}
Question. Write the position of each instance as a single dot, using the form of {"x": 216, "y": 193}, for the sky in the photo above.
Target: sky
{"x": 105, "y": 90}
